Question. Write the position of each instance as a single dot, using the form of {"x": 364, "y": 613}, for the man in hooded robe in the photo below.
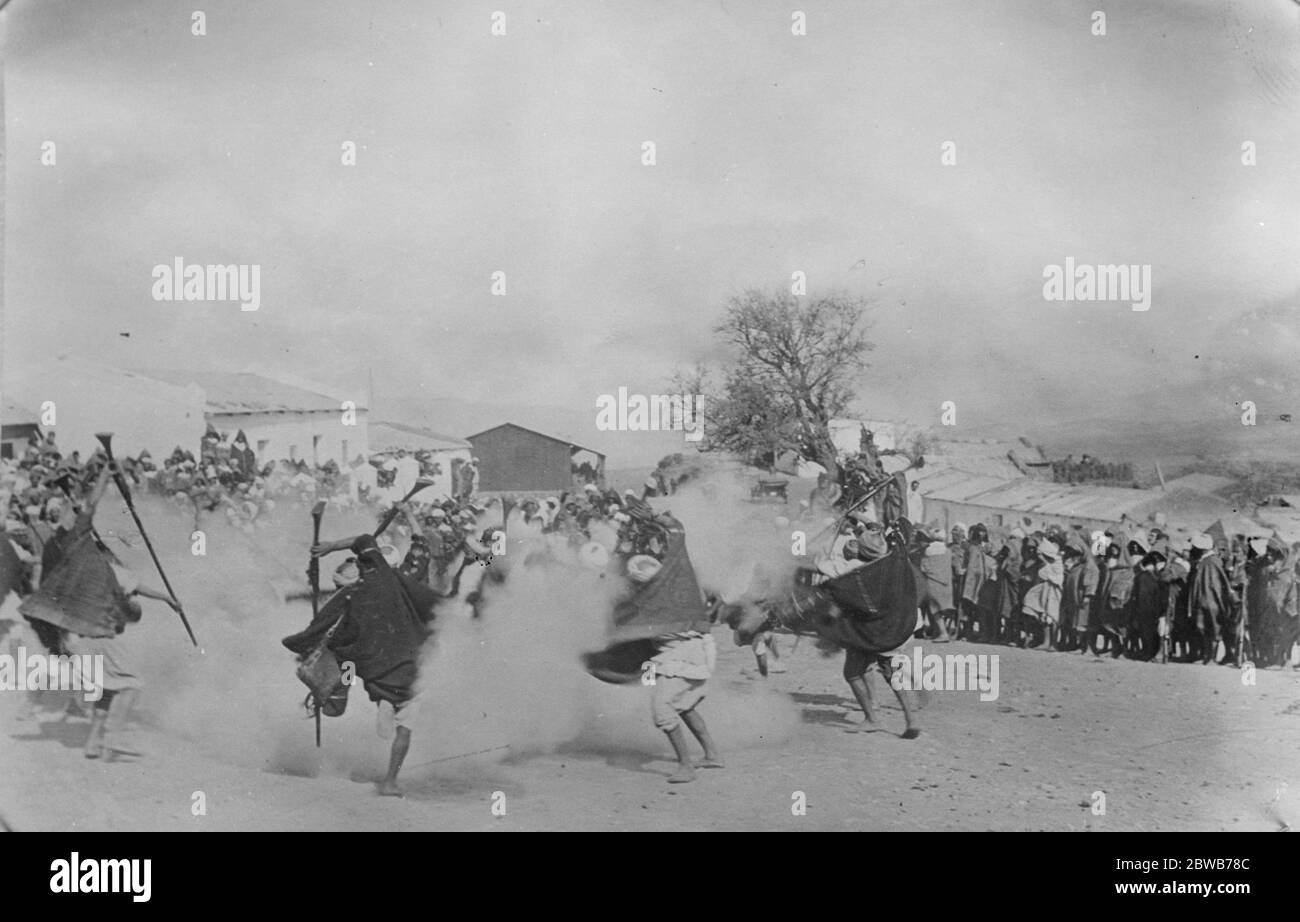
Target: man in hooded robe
{"x": 1122, "y": 565}
{"x": 379, "y": 624}
{"x": 1284, "y": 590}
{"x": 1005, "y": 609}
{"x": 1127, "y": 620}
{"x": 1176, "y": 640}
{"x": 208, "y": 445}
{"x": 934, "y": 561}
{"x": 957, "y": 553}
{"x": 893, "y": 499}
{"x": 89, "y": 596}
{"x": 1110, "y": 605}
{"x": 1210, "y": 599}
{"x": 1078, "y": 586}
{"x": 242, "y": 458}
{"x": 469, "y": 478}
{"x": 1042, "y": 603}
{"x": 1149, "y": 604}
{"x": 979, "y": 585}
{"x": 1271, "y": 600}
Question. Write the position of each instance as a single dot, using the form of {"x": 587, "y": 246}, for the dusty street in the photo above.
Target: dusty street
{"x": 1174, "y": 747}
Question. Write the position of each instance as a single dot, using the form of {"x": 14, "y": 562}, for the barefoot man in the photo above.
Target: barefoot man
{"x": 90, "y": 597}
{"x": 379, "y": 624}
{"x": 665, "y": 606}
{"x": 682, "y": 668}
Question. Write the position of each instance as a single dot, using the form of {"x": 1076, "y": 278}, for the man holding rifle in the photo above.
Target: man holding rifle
{"x": 376, "y": 625}
{"x": 90, "y": 596}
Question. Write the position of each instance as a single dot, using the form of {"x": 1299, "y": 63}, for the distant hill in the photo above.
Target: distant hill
{"x": 1179, "y": 446}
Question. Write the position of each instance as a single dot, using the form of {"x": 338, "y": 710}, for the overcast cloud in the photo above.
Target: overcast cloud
{"x": 775, "y": 153}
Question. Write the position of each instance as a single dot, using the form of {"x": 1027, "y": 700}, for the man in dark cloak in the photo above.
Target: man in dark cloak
{"x": 88, "y": 597}
{"x": 1150, "y": 600}
{"x": 979, "y": 587}
{"x": 379, "y": 623}
{"x": 1210, "y": 599}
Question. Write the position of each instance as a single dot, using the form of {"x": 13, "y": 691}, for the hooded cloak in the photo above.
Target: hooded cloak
{"x": 81, "y": 593}
{"x": 382, "y": 620}
{"x": 1209, "y": 595}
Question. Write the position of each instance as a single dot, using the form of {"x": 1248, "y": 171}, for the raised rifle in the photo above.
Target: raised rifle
{"x": 834, "y": 529}
{"x": 391, "y": 514}
{"x": 106, "y": 439}
{"x": 313, "y": 576}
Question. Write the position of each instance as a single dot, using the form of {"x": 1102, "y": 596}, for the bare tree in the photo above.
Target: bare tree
{"x": 795, "y": 360}
{"x": 805, "y": 353}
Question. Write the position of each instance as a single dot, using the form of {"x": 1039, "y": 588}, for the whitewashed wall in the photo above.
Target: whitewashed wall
{"x": 140, "y": 412}
{"x": 284, "y": 433}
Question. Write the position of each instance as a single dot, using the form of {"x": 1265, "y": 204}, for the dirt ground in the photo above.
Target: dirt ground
{"x": 1173, "y": 747}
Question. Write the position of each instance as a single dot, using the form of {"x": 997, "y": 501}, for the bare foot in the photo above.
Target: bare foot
{"x": 389, "y": 789}
{"x": 710, "y": 763}
{"x": 684, "y": 774}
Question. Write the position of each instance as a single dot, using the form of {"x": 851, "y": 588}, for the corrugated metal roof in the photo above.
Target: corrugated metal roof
{"x": 242, "y": 392}
{"x": 1186, "y": 506}
{"x": 1194, "y": 508}
{"x": 964, "y": 488}
{"x": 1046, "y": 498}
{"x": 932, "y": 478}
{"x": 569, "y": 442}
{"x": 388, "y": 436}
{"x": 1206, "y": 483}
{"x": 1106, "y": 504}
{"x": 971, "y": 464}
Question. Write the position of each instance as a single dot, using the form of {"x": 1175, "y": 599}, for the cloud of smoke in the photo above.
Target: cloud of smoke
{"x": 505, "y": 686}
{"x": 238, "y": 700}
{"x": 731, "y": 539}
{"x": 514, "y": 678}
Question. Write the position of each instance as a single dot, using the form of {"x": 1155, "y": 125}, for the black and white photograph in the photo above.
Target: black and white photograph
{"x": 436, "y": 416}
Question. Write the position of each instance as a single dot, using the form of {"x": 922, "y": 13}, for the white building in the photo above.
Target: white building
{"x": 160, "y": 410}
{"x": 279, "y": 420}
{"x": 84, "y": 398}
{"x": 445, "y": 451}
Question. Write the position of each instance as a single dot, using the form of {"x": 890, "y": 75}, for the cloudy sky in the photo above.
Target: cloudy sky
{"x": 775, "y": 153}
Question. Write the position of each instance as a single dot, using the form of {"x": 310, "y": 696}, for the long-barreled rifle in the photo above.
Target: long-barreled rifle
{"x": 106, "y": 439}
{"x": 834, "y": 528}
{"x": 391, "y": 513}
{"x": 313, "y": 577}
